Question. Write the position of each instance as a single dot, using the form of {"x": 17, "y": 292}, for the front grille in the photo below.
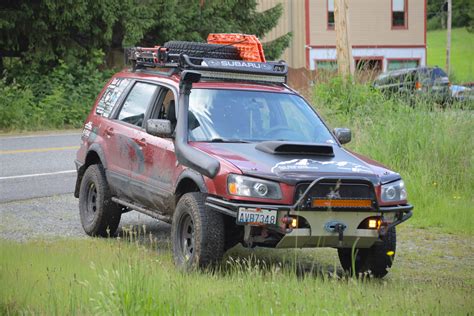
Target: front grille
{"x": 335, "y": 190}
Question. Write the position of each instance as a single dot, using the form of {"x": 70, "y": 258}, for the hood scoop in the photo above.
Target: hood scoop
{"x": 287, "y": 148}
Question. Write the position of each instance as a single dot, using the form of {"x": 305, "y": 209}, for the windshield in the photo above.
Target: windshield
{"x": 253, "y": 116}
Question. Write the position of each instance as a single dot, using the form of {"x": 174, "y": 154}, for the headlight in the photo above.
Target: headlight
{"x": 394, "y": 192}
{"x": 252, "y": 187}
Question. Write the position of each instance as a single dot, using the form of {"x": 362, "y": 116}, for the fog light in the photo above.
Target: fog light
{"x": 372, "y": 223}
{"x": 375, "y": 223}
{"x": 294, "y": 223}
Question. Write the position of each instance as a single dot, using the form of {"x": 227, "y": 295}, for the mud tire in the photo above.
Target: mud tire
{"x": 234, "y": 233}
{"x": 197, "y": 234}
{"x": 99, "y": 215}
{"x": 195, "y": 49}
{"x": 373, "y": 260}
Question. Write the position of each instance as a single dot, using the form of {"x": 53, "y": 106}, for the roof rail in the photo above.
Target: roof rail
{"x": 210, "y": 68}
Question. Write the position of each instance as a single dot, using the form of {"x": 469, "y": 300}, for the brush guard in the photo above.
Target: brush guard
{"x": 403, "y": 212}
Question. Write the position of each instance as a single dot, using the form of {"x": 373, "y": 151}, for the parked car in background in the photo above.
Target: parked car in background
{"x": 462, "y": 93}
{"x": 426, "y": 82}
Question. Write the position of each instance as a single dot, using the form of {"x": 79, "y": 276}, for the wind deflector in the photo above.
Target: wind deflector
{"x": 286, "y": 148}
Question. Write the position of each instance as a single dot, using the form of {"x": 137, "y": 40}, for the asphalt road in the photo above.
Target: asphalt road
{"x": 37, "y": 165}
{"x": 37, "y": 179}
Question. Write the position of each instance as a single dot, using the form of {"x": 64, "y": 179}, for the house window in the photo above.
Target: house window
{"x": 369, "y": 64}
{"x": 396, "y": 64}
{"x": 330, "y": 14}
{"x": 399, "y": 13}
{"x": 326, "y": 65}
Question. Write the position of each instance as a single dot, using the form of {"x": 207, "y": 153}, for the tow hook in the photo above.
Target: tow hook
{"x": 248, "y": 242}
{"x": 336, "y": 227}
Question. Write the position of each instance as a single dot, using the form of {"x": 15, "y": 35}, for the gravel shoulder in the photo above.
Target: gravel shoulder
{"x": 58, "y": 217}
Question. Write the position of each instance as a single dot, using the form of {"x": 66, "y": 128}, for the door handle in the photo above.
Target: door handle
{"x": 141, "y": 142}
{"x": 109, "y": 131}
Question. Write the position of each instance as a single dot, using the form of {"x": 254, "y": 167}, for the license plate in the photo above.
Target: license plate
{"x": 256, "y": 216}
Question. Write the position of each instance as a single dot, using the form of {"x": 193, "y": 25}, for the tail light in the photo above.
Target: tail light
{"x": 418, "y": 85}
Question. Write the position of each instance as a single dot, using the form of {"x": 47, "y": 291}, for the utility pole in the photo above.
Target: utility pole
{"x": 345, "y": 62}
{"x": 448, "y": 39}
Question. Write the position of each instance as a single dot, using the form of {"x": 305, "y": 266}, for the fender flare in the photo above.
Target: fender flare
{"x": 96, "y": 148}
{"x": 100, "y": 152}
{"x": 194, "y": 176}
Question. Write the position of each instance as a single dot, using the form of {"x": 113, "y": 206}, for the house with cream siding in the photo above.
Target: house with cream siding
{"x": 384, "y": 34}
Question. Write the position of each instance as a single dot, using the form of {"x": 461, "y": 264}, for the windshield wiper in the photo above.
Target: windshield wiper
{"x": 228, "y": 140}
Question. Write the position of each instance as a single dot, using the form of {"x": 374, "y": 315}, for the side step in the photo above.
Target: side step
{"x": 141, "y": 209}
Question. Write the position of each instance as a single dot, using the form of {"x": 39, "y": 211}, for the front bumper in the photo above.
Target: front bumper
{"x": 316, "y": 234}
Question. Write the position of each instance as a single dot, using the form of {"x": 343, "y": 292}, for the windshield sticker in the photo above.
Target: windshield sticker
{"x": 310, "y": 164}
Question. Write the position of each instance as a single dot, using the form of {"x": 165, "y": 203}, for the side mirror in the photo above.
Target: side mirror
{"x": 160, "y": 128}
{"x": 343, "y": 135}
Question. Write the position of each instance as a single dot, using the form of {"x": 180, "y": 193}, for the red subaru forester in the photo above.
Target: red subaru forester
{"x": 227, "y": 153}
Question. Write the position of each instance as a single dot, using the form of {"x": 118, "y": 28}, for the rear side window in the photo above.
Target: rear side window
{"x": 111, "y": 95}
{"x": 137, "y": 102}
{"x": 437, "y": 73}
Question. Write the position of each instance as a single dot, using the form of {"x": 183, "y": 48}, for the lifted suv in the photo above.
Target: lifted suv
{"x": 227, "y": 153}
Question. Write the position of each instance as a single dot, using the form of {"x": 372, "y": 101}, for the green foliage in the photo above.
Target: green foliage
{"x": 44, "y": 32}
{"x": 275, "y": 48}
{"x": 17, "y": 107}
{"x": 61, "y": 98}
{"x": 432, "y": 149}
{"x": 188, "y": 20}
{"x": 462, "y": 14}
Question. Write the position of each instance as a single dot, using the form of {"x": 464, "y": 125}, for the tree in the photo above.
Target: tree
{"x": 44, "y": 32}
{"x": 462, "y": 14}
{"x": 192, "y": 20}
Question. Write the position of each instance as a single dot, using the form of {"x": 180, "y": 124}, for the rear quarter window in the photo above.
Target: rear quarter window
{"x": 111, "y": 95}
{"x": 437, "y": 73}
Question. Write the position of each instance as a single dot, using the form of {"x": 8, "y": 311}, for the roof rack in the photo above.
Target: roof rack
{"x": 209, "y": 68}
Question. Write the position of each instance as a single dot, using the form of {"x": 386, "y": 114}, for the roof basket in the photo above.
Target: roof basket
{"x": 210, "y": 68}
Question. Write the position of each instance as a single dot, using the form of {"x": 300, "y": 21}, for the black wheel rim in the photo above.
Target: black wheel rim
{"x": 91, "y": 202}
{"x": 186, "y": 236}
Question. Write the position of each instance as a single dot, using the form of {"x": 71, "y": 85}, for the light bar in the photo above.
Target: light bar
{"x": 341, "y": 203}
{"x": 241, "y": 76}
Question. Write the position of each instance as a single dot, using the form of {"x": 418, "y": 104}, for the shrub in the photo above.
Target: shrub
{"x": 62, "y": 98}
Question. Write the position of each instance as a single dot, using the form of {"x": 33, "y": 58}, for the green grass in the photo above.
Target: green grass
{"x": 431, "y": 148}
{"x": 462, "y": 50}
{"x": 95, "y": 276}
